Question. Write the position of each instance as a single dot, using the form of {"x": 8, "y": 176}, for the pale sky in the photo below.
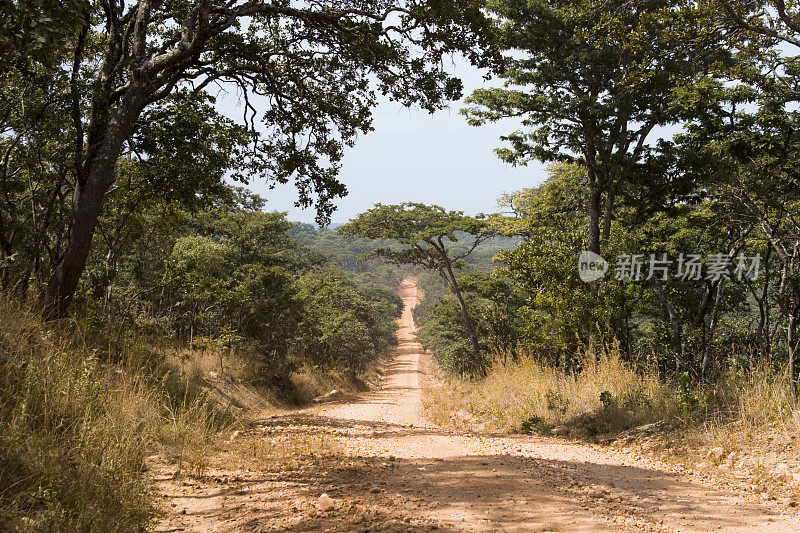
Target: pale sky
{"x": 414, "y": 156}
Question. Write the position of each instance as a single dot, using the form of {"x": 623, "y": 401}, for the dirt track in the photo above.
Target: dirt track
{"x": 396, "y": 473}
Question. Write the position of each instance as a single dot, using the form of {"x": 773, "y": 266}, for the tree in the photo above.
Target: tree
{"x": 442, "y": 333}
{"x": 196, "y": 270}
{"x": 552, "y": 220}
{"x": 425, "y": 234}
{"x": 344, "y": 325}
{"x": 501, "y": 303}
{"x": 775, "y": 20}
{"x": 310, "y": 68}
{"x": 591, "y": 81}
{"x": 751, "y": 147}
{"x": 748, "y": 133}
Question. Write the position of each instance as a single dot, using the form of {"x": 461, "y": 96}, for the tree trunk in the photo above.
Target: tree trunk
{"x": 763, "y": 310}
{"x": 791, "y": 341}
{"x": 711, "y": 330}
{"x": 674, "y": 319}
{"x": 608, "y": 211}
{"x": 5, "y": 252}
{"x": 593, "y": 245}
{"x": 473, "y": 337}
{"x": 89, "y": 196}
{"x": 594, "y": 214}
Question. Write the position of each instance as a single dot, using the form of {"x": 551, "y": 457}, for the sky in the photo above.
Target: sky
{"x": 413, "y": 156}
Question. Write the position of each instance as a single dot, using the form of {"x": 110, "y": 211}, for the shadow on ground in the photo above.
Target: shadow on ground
{"x": 510, "y": 491}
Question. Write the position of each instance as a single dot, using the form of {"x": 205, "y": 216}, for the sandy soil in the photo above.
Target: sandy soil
{"x": 386, "y": 469}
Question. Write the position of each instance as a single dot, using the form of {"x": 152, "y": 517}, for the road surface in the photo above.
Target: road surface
{"x": 395, "y": 472}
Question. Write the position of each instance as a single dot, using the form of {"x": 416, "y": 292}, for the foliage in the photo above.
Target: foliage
{"x": 348, "y": 253}
{"x": 443, "y": 334}
{"x": 342, "y": 325}
{"x": 423, "y": 236}
{"x": 33, "y": 31}
{"x": 591, "y": 80}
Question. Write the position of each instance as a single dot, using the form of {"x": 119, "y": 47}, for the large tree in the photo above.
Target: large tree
{"x": 309, "y": 72}
{"x": 746, "y": 137}
{"x": 591, "y": 82}
{"x": 425, "y": 235}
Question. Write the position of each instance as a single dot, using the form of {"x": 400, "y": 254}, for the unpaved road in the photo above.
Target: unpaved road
{"x": 393, "y": 472}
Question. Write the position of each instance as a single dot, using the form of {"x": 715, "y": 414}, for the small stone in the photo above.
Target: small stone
{"x": 716, "y": 454}
{"x": 325, "y": 503}
{"x": 788, "y": 502}
{"x": 780, "y": 472}
{"x": 332, "y": 396}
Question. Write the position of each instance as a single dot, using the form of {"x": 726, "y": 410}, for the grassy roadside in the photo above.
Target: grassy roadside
{"x": 745, "y": 429}
{"x": 75, "y": 432}
{"x": 81, "y": 419}
{"x": 528, "y": 397}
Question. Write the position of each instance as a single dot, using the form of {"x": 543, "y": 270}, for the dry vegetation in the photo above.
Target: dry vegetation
{"x": 83, "y": 418}
{"x": 527, "y": 396}
{"x": 746, "y": 428}
{"x": 74, "y": 432}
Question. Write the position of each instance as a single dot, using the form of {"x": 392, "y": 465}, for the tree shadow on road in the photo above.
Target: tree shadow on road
{"x": 508, "y": 491}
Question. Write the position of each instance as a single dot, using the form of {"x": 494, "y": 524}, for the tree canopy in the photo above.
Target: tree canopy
{"x": 424, "y": 235}
{"x": 591, "y": 81}
{"x": 307, "y": 74}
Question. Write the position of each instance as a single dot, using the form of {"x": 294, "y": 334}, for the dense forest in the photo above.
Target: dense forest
{"x": 665, "y": 241}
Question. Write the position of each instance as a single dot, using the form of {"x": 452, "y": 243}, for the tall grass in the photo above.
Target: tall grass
{"x": 749, "y": 411}
{"x": 74, "y": 432}
{"x": 528, "y": 395}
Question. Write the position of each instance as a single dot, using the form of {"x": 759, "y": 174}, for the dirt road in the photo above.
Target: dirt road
{"x": 393, "y": 472}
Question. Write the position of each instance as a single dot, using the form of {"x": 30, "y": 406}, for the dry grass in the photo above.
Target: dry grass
{"x": 308, "y": 383}
{"x": 744, "y": 428}
{"x": 607, "y": 395}
{"x": 74, "y": 432}
{"x": 752, "y": 422}
{"x": 198, "y": 363}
